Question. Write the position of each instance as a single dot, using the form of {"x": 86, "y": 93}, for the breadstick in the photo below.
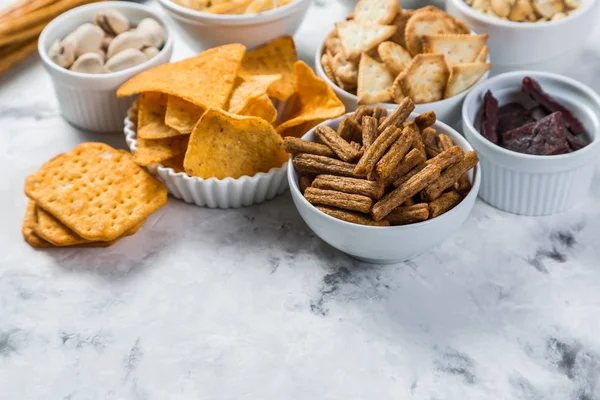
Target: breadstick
{"x": 364, "y": 187}
{"x": 15, "y": 56}
{"x": 444, "y": 203}
{"x": 349, "y": 130}
{"x": 373, "y": 154}
{"x": 399, "y": 115}
{"x": 353, "y": 202}
{"x": 23, "y": 7}
{"x": 360, "y": 112}
{"x": 341, "y": 147}
{"x": 408, "y": 214}
{"x": 411, "y": 160}
{"x": 313, "y": 164}
{"x": 425, "y": 120}
{"x": 449, "y": 177}
{"x": 350, "y": 216}
{"x": 388, "y": 163}
{"x": 23, "y": 35}
{"x": 295, "y": 145}
{"x": 369, "y": 131}
{"x": 305, "y": 181}
{"x": 448, "y": 157}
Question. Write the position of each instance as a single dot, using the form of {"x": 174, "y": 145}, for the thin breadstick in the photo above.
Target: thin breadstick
{"x": 23, "y": 35}
{"x": 24, "y": 8}
{"x": 16, "y": 56}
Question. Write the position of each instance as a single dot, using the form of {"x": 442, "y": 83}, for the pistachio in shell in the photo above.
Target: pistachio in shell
{"x": 89, "y": 63}
{"x": 111, "y": 21}
{"x": 62, "y": 53}
{"x": 125, "y": 59}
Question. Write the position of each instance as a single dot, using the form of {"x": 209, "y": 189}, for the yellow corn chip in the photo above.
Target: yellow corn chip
{"x": 315, "y": 102}
{"x": 259, "y": 106}
{"x": 182, "y": 115}
{"x": 175, "y": 163}
{"x": 151, "y": 117}
{"x": 229, "y": 7}
{"x": 150, "y": 152}
{"x": 249, "y": 87}
{"x": 205, "y": 80}
{"x": 227, "y": 145}
{"x": 275, "y": 57}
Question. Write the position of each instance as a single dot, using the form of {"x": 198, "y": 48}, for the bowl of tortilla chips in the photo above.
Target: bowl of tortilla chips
{"x": 211, "y": 127}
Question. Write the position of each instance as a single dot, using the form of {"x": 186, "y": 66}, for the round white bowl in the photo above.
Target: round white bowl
{"x": 529, "y": 184}
{"x": 447, "y": 110}
{"x": 206, "y": 30}
{"x": 385, "y": 245}
{"x": 89, "y": 101}
{"x": 547, "y": 46}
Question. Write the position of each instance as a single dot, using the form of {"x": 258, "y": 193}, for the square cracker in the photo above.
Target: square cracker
{"x": 96, "y": 191}
{"x": 395, "y": 57}
{"x": 457, "y": 49}
{"x": 424, "y": 80}
{"x": 423, "y": 23}
{"x": 400, "y": 22}
{"x": 376, "y": 11}
{"x": 374, "y": 82}
{"x": 28, "y": 228}
{"x": 358, "y": 38}
{"x": 463, "y": 76}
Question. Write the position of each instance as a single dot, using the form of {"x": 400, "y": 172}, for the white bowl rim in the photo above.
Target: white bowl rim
{"x": 530, "y": 157}
{"x": 254, "y": 18}
{"x": 473, "y": 13}
{"x": 43, "y": 45}
{"x": 472, "y": 193}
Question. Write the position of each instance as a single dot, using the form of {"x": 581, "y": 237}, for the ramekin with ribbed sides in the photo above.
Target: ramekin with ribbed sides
{"x": 212, "y": 192}
{"x": 86, "y": 100}
{"x": 206, "y": 30}
{"x": 547, "y": 46}
{"x": 531, "y": 184}
{"x": 385, "y": 244}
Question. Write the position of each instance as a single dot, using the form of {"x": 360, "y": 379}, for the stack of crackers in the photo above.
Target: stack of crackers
{"x": 383, "y": 54}
{"x": 215, "y": 115}
{"x": 91, "y": 196}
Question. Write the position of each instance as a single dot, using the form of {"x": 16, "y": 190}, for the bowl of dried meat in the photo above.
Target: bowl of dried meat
{"x": 537, "y": 135}
{"x": 383, "y": 186}
{"x": 383, "y": 54}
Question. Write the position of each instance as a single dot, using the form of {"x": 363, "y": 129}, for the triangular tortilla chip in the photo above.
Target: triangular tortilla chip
{"x": 182, "y": 115}
{"x": 150, "y": 152}
{"x": 275, "y": 57}
{"x": 151, "y": 117}
{"x": 359, "y": 38}
{"x": 376, "y": 11}
{"x": 249, "y": 87}
{"x": 314, "y": 103}
{"x": 227, "y": 145}
{"x": 424, "y": 80}
{"x": 458, "y": 49}
{"x": 259, "y": 105}
{"x": 374, "y": 82}
{"x": 205, "y": 80}
{"x": 463, "y": 76}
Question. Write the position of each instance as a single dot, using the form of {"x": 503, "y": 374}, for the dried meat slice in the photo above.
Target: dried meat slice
{"x": 489, "y": 127}
{"x": 547, "y": 136}
{"x": 516, "y": 119}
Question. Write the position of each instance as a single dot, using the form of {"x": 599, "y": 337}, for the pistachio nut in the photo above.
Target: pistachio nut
{"x": 153, "y": 30}
{"x": 572, "y": 3}
{"x": 111, "y": 21}
{"x": 106, "y": 41}
{"x": 89, "y": 63}
{"x": 62, "y": 53}
{"x": 86, "y": 38}
{"x": 125, "y": 59}
{"x": 127, "y": 40}
{"x": 150, "y": 52}
{"x": 547, "y": 8}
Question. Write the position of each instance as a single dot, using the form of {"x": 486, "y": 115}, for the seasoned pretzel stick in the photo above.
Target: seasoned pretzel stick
{"x": 449, "y": 177}
{"x": 305, "y": 181}
{"x": 364, "y": 187}
{"x": 295, "y": 145}
{"x": 369, "y": 131}
{"x": 367, "y": 162}
{"x": 463, "y": 185}
{"x": 316, "y": 165}
{"x": 448, "y": 157}
{"x": 418, "y": 143}
{"x": 349, "y": 130}
{"x": 379, "y": 112}
{"x": 399, "y": 115}
{"x": 408, "y": 214}
{"x": 388, "y": 163}
{"x": 340, "y": 146}
{"x": 352, "y": 202}
{"x": 360, "y": 112}
{"x": 15, "y": 56}
{"x": 350, "y": 216}
{"x": 443, "y": 142}
{"x": 444, "y": 203}
{"x": 431, "y": 148}
{"x": 403, "y": 179}
{"x": 411, "y": 160}
{"x": 425, "y": 120}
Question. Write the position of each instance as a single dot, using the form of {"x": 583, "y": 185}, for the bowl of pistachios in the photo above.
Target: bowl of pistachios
{"x": 91, "y": 50}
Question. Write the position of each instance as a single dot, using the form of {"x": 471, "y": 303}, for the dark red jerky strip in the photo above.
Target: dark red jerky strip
{"x": 576, "y": 142}
{"x": 513, "y": 120}
{"x": 547, "y": 136}
{"x": 534, "y": 90}
{"x": 489, "y": 126}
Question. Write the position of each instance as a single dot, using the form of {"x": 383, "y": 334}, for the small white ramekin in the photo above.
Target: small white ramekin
{"x": 89, "y": 101}
{"x": 528, "y": 184}
{"x": 206, "y": 30}
{"x": 387, "y": 244}
{"x": 212, "y": 192}
{"x": 546, "y": 46}
{"x": 447, "y": 110}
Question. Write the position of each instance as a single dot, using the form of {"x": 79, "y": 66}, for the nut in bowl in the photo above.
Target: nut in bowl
{"x": 383, "y": 54}
{"x": 387, "y": 189}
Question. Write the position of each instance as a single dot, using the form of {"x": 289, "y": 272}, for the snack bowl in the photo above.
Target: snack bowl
{"x": 89, "y": 101}
{"x": 208, "y": 30}
{"x": 447, "y": 110}
{"x": 531, "y": 184}
{"x": 526, "y": 45}
{"x": 388, "y": 244}
{"x": 212, "y": 192}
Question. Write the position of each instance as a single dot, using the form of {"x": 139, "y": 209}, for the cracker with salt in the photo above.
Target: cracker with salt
{"x": 463, "y": 76}
{"x": 181, "y": 115}
{"x": 395, "y": 57}
{"x": 400, "y": 23}
{"x": 327, "y": 67}
{"x": 483, "y": 54}
{"x": 28, "y": 228}
{"x": 151, "y": 117}
{"x": 358, "y": 38}
{"x": 457, "y": 48}
{"x": 424, "y": 80}
{"x": 154, "y": 151}
{"x": 426, "y": 23}
{"x": 345, "y": 71}
{"x": 96, "y": 191}
{"x": 376, "y": 11}
{"x": 374, "y": 82}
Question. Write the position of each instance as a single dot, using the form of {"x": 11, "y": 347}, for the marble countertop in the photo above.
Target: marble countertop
{"x": 249, "y": 304}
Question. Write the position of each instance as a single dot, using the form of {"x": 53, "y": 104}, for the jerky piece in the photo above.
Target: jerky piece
{"x": 547, "y": 136}
{"x": 576, "y": 142}
{"x": 353, "y": 202}
{"x": 399, "y": 115}
{"x": 350, "y": 216}
{"x": 447, "y": 157}
{"x": 449, "y": 177}
{"x": 373, "y": 154}
{"x": 411, "y": 160}
{"x": 538, "y": 112}
{"x": 425, "y": 120}
{"x": 313, "y": 164}
{"x": 305, "y": 181}
{"x": 444, "y": 203}
{"x": 408, "y": 214}
{"x": 295, "y": 145}
{"x": 341, "y": 147}
{"x": 364, "y": 187}
{"x": 360, "y": 112}
{"x": 533, "y": 89}
{"x": 389, "y": 162}
{"x": 516, "y": 119}
{"x": 489, "y": 126}
{"x": 369, "y": 131}
{"x": 349, "y": 130}
{"x": 510, "y": 108}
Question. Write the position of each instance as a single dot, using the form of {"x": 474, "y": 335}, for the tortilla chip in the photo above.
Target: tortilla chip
{"x": 374, "y": 82}
{"x": 205, "y": 80}
{"x": 182, "y": 115}
{"x": 252, "y": 86}
{"x": 424, "y": 80}
{"x": 275, "y": 57}
{"x": 175, "y": 163}
{"x": 359, "y": 38}
{"x": 458, "y": 49}
{"x": 227, "y": 145}
{"x": 154, "y": 151}
{"x": 151, "y": 117}
{"x": 259, "y": 106}
{"x": 463, "y": 76}
{"x": 314, "y": 103}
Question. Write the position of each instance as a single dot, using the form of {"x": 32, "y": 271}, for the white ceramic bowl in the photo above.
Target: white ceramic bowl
{"x": 206, "y": 30}
{"x": 89, "y": 101}
{"x": 385, "y": 245}
{"x": 447, "y": 110}
{"x": 547, "y": 46}
{"x": 528, "y": 184}
{"x": 212, "y": 192}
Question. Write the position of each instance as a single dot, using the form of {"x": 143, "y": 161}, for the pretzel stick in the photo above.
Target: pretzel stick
{"x": 14, "y": 7}
{"x": 21, "y": 52}
{"x": 24, "y": 8}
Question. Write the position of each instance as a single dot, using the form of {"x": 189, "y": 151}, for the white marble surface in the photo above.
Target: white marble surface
{"x": 249, "y": 304}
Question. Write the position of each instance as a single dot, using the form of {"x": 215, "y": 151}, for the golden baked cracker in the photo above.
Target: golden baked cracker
{"x": 483, "y": 54}
{"x": 397, "y": 90}
{"x": 457, "y": 48}
{"x": 359, "y": 38}
{"x": 96, "y": 191}
{"x": 333, "y": 44}
{"x": 327, "y": 67}
{"x": 463, "y": 76}
{"x": 226, "y": 145}
{"x": 205, "y": 80}
{"x": 259, "y": 105}
{"x": 395, "y": 57}
{"x": 376, "y": 11}
{"x": 313, "y": 103}
{"x": 374, "y": 82}
{"x": 426, "y": 23}
{"x": 275, "y": 57}
{"x": 154, "y": 151}
{"x": 345, "y": 71}
{"x": 400, "y": 23}
{"x": 28, "y": 228}
{"x": 151, "y": 117}
{"x": 251, "y": 86}
{"x": 424, "y": 80}
{"x": 181, "y": 115}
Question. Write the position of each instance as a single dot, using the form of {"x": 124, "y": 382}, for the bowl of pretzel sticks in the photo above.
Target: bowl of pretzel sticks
{"x": 383, "y": 186}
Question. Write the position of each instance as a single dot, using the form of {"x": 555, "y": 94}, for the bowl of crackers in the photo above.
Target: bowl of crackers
{"x": 383, "y": 186}
{"x": 529, "y": 34}
{"x": 383, "y": 54}
{"x": 210, "y": 23}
